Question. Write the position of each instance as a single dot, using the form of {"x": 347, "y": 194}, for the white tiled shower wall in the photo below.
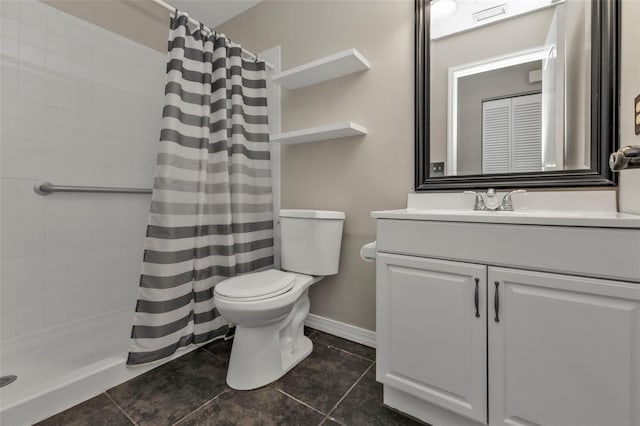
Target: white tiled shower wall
{"x": 79, "y": 106}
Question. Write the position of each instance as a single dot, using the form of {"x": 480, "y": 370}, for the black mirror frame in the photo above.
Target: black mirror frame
{"x": 605, "y": 77}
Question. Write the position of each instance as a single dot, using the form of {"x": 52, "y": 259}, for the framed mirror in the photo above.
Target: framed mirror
{"x": 515, "y": 93}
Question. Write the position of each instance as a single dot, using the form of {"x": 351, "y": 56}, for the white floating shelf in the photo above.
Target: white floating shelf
{"x": 328, "y": 68}
{"x": 322, "y": 133}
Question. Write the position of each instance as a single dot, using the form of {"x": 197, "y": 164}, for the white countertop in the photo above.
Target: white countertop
{"x": 551, "y": 208}
{"x": 524, "y": 217}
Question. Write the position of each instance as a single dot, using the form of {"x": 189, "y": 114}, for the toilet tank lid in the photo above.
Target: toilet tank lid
{"x": 312, "y": 214}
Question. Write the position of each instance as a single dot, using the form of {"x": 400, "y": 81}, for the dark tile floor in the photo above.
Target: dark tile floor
{"x": 335, "y": 385}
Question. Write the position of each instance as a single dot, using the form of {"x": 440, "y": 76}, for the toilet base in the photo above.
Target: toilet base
{"x": 261, "y": 355}
{"x": 290, "y": 360}
{"x": 247, "y": 374}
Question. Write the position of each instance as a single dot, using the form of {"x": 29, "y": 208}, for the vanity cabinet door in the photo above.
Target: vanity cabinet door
{"x": 431, "y": 339}
{"x": 563, "y": 350}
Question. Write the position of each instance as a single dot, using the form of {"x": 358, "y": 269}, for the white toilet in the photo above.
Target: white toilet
{"x": 269, "y": 307}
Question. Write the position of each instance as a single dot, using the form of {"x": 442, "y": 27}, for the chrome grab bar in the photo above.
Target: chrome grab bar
{"x": 47, "y": 188}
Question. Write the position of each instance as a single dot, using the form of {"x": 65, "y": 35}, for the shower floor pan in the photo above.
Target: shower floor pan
{"x": 62, "y": 366}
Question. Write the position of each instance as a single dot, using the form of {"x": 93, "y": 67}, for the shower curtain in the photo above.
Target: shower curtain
{"x": 211, "y": 214}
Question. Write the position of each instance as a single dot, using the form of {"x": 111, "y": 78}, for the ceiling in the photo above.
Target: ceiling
{"x": 461, "y": 18}
{"x": 213, "y": 12}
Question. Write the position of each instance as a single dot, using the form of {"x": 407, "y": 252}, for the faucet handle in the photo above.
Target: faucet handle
{"x": 479, "y": 204}
{"x": 491, "y": 202}
{"x": 507, "y": 204}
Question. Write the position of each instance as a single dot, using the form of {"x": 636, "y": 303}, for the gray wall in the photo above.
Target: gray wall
{"x": 501, "y": 38}
{"x": 354, "y": 175}
{"x": 474, "y": 89}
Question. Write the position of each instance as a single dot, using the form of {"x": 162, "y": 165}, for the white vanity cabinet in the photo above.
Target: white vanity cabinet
{"x": 548, "y": 346}
{"x": 563, "y": 350}
{"x": 432, "y": 341}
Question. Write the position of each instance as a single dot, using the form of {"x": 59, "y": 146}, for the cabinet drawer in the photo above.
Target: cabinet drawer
{"x": 612, "y": 253}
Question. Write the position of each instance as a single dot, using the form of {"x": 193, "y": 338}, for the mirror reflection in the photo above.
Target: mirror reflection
{"x": 510, "y": 86}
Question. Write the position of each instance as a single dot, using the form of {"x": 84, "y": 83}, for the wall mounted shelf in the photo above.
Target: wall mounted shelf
{"x": 340, "y": 64}
{"x": 315, "y": 134}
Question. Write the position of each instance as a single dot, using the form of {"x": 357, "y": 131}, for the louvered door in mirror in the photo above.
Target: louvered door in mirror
{"x": 512, "y": 134}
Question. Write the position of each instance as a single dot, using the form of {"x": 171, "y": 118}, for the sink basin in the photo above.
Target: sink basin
{"x": 560, "y": 208}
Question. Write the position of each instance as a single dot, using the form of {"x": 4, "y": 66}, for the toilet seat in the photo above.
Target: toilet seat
{"x": 256, "y": 286}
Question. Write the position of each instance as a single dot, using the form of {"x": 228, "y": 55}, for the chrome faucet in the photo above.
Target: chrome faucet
{"x": 479, "y": 203}
{"x": 506, "y": 205}
{"x": 491, "y": 203}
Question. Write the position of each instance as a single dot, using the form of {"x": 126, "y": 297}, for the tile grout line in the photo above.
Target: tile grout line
{"x": 348, "y": 391}
{"x": 215, "y": 355}
{"x": 333, "y": 419}
{"x": 201, "y": 406}
{"x": 120, "y": 408}
{"x": 338, "y": 347}
{"x": 299, "y": 401}
{"x": 350, "y": 353}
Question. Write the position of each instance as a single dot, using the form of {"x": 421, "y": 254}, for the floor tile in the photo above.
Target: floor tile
{"x": 221, "y": 348}
{"x": 96, "y": 411}
{"x": 355, "y": 348}
{"x": 264, "y": 406}
{"x": 330, "y": 422}
{"x": 168, "y": 393}
{"x": 323, "y": 377}
{"x": 363, "y": 406}
{"x": 196, "y": 381}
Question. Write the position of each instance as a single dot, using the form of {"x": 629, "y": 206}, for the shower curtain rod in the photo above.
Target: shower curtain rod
{"x": 172, "y": 9}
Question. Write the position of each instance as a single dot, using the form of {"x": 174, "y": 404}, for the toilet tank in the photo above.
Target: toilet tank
{"x": 310, "y": 241}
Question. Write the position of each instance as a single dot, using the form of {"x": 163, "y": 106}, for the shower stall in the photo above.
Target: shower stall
{"x": 79, "y": 106}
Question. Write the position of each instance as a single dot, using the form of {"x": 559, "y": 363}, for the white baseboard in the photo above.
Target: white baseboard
{"x": 341, "y": 329}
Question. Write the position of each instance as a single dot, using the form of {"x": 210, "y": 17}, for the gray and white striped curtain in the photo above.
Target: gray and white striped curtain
{"x": 211, "y": 210}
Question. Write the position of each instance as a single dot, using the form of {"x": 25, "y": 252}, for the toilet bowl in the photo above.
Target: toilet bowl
{"x": 269, "y": 307}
